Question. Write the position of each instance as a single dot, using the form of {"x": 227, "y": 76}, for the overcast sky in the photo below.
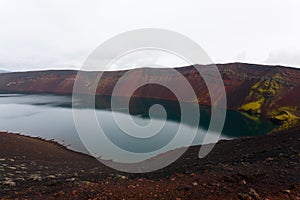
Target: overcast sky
{"x": 61, "y": 34}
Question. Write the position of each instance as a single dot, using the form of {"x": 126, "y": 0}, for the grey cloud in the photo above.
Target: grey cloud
{"x": 288, "y": 57}
{"x": 61, "y": 34}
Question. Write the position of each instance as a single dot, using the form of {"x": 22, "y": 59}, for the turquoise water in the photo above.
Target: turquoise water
{"x": 51, "y": 117}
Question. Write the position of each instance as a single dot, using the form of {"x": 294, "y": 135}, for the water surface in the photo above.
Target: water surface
{"x": 51, "y": 117}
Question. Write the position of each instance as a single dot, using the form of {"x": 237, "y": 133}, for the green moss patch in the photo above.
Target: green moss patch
{"x": 253, "y": 107}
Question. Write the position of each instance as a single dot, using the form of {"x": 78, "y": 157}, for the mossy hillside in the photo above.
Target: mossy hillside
{"x": 254, "y": 118}
{"x": 259, "y": 93}
{"x": 253, "y": 107}
{"x": 291, "y": 123}
{"x": 267, "y": 87}
{"x": 289, "y": 116}
{"x": 284, "y": 113}
{"x": 263, "y": 95}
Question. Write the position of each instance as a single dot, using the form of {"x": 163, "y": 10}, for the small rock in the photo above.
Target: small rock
{"x": 87, "y": 183}
{"x": 243, "y": 196}
{"x": 10, "y": 183}
{"x": 71, "y": 180}
{"x": 20, "y": 179}
{"x": 74, "y": 192}
{"x": 59, "y": 194}
{"x": 36, "y": 177}
{"x": 286, "y": 191}
{"x": 51, "y": 176}
{"x": 269, "y": 159}
{"x": 254, "y": 194}
{"x": 195, "y": 184}
{"x": 10, "y": 174}
{"x": 131, "y": 186}
{"x": 12, "y": 168}
{"x": 121, "y": 176}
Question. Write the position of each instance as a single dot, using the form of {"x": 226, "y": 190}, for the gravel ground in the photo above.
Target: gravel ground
{"x": 262, "y": 167}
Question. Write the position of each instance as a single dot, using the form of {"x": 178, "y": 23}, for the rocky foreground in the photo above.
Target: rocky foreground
{"x": 263, "y": 167}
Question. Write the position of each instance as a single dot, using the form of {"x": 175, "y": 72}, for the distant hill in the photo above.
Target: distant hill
{"x": 269, "y": 91}
{"x": 3, "y": 71}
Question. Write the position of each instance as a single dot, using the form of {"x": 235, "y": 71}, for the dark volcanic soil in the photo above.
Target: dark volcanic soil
{"x": 263, "y": 167}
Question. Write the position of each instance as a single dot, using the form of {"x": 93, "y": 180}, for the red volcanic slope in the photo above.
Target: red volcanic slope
{"x": 266, "y": 88}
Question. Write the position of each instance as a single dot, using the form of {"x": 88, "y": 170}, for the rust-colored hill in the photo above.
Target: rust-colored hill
{"x": 270, "y": 91}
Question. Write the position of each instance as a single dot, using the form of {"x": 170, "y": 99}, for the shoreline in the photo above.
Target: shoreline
{"x": 41, "y": 139}
{"x": 269, "y": 165}
{"x": 66, "y": 146}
